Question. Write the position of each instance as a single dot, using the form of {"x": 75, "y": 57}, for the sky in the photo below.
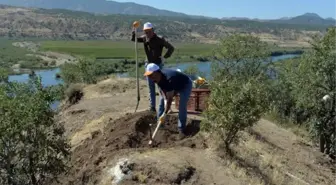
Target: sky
{"x": 262, "y": 9}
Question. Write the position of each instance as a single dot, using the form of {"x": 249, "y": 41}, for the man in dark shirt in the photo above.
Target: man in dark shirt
{"x": 171, "y": 82}
{"x": 153, "y": 45}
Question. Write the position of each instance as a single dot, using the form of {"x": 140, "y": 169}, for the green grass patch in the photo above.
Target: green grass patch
{"x": 105, "y": 49}
{"x": 120, "y": 49}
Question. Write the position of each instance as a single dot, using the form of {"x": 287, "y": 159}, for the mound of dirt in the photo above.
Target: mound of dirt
{"x": 127, "y": 134}
{"x": 134, "y": 130}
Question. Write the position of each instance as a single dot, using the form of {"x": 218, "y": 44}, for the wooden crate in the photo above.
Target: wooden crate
{"x": 197, "y": 100}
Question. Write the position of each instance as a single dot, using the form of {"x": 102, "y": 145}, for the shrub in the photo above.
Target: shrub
{"x": 88, "y": 70}
{"x": 53, "y": 63}
{"x": 81, "y": 72}
{"x": 233, "y": 106}
{"x": 239, "y": 89}
{"x": 3, "y": 75}
{"x": 193, "y": 70}
{"x": 33, "y": 149}
{"x": 74, "y": 93}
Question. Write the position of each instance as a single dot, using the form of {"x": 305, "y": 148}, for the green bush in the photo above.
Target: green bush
{"x": 3, "y": 75}
{"x": 89, "y": 70}
{"x": 81, "y": 72}
{"x": 74, "y": 93}
{"x": 33, "y": 148}
{"x": 316, "y": 79}
{"x": 193, "y": 70}
{"x": 300, "y": 87}
{"x": 239, "y": 90}
{"x": 233, "y": 106}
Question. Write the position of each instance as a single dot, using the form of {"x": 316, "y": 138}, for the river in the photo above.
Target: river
{"x": 49, "y": 76}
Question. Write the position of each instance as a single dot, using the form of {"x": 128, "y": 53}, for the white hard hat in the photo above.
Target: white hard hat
{"x": 179, "y": 70}
{"x": 148, "y": 26}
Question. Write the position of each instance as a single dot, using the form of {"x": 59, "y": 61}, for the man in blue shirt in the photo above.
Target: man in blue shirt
{"x": 171, "y": 82}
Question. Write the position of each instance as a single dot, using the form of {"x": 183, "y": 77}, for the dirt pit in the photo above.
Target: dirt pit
{"x": 134, "y": 131}
{"x": 121, "y": 137}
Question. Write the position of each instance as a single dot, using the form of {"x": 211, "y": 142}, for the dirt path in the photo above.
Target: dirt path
{"x": 109, "y": 147}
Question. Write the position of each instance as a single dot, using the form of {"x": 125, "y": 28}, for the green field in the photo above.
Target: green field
{"x": 11, "y": 55}
{"x": 119, "y": 49}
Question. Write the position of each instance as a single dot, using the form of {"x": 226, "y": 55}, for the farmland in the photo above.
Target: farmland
{"x": 118, "y": 49}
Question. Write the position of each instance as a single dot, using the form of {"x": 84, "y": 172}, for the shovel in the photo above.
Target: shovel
{"x": 156, "y": 129}
{"x": 136, "y": 24}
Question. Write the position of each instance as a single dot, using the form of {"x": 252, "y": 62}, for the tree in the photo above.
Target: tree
{"x": 317, "y": 78}
{"x": 84, "y": 71}
{"x": 283, "y": 106}
{"x": 239, "y": 93}
{"x": 33, "y": 149}
{"x": 3, "y": 75}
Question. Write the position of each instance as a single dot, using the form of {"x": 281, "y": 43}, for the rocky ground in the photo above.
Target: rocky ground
{"x": 110, "y": 146}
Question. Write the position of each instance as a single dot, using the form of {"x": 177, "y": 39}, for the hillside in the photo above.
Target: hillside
{"x": 105, "y": 133}
{"x": 65, "y": 24}
{"x": 130, "y": 8}
{"x": 308, "y": 18}
{"x": 95, "y": 6}
{"x": 305, "y": 19}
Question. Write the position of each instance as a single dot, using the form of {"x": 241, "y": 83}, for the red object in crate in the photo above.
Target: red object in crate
{"x": 197, "y": 100}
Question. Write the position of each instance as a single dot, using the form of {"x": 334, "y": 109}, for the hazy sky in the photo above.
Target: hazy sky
{"x": 245, "y": 8}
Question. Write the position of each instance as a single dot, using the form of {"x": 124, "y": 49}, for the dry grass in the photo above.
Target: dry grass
{"x": 254, "y": 163}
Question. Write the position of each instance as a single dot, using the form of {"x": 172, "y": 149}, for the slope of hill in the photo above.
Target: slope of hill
{"x": 130, "y": 8}
{"x": 305, "y": 19}
{"x": 65, "y": 24}
{"x": 95, "y": 6}
{"x": 308, "y": 18}
{"x": 106, "y": 137}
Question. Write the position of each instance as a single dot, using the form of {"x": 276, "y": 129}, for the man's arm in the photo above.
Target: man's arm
{"x": 140, "y": 39}
{"x": 170, "y": 48}
{"x": 169, "y": 99}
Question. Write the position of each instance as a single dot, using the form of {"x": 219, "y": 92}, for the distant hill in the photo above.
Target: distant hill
{"x": 95, "y": 6}
{"x": 305, "y": 19}
{"x": 18, "y": 22}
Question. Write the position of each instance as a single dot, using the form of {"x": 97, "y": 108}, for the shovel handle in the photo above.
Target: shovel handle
{"x": 156, "y": 129}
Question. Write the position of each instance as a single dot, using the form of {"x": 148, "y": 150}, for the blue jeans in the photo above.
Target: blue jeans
{"x": 151, "y": 86}
{"x": 184, "y": 98}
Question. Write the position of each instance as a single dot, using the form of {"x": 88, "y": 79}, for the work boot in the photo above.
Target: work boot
{"x": 152, "y": 109}
{"x": 181, "y": 135}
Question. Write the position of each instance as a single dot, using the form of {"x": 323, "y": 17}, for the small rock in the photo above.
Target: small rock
{"x": 98, "y": 161}
{"x": 126, "y": 168}
{"x": 94, "y": 134}
{"x": 184, "y": 175}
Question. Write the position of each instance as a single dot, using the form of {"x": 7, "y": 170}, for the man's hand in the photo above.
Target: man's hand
{"x": 162, "y": 59}
{"x": 162, "y": 118}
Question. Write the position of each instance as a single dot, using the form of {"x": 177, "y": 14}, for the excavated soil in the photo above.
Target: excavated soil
{"x": 128, "y": 134}
{"x": 134, "y": 130}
